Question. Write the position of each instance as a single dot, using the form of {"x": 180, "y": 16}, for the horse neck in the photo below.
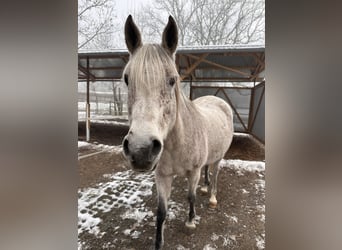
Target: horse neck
{"x": 187, "y": 114}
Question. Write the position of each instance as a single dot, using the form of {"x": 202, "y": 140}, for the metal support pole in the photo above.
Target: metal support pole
{"x": 251, "y": 110}
{"x": 190, "y": 97}
{"x": 88, "y": 105}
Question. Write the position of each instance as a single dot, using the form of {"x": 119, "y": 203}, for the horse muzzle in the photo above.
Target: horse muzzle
{"x": 142, "y": 155}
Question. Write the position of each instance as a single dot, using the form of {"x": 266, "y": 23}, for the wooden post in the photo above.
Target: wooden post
{"x": 88, "y": 105}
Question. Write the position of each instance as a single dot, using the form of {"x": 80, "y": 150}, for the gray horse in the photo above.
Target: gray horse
{"x": 168, "y": 133}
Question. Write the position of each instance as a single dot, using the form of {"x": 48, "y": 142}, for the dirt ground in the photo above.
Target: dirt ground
{"x": 236, "y": 223}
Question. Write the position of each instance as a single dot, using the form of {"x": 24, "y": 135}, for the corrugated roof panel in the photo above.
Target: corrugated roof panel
{"x": 186, "y": 49}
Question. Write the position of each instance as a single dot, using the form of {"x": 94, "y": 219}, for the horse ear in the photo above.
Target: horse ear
{"x": 132, "y": 35}
{"x": 170, "y": 36}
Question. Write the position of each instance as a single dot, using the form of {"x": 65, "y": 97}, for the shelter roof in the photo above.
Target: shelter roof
{"x": 218, "y": 63}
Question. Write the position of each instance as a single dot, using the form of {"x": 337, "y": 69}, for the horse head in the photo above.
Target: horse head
{"x": 152, "y": 80}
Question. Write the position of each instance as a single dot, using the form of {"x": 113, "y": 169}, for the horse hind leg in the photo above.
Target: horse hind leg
{"x": 193, "y": 182}
{"x": 213, "y": 192}
{"x": 204, "y": 189}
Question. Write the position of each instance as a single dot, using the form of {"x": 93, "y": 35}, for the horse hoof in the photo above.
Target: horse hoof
{"x": 190, "y": 225}
{"x": 204, "y": 189}
{"x": 212, "y": 205}
{"x": 212, "y": 202}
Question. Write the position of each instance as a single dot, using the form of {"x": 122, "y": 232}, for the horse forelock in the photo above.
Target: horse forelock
{"x": 149, "y": 68}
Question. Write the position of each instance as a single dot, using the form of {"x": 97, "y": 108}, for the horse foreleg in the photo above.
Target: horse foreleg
{"x": 164, "y": 189}
{"x": 205, "y": 188}
{"x": 193, "y": 182}
{"x": 212, "y": 200}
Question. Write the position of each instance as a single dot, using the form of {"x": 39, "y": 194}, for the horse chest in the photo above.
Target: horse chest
{"x": 178, "y": 160}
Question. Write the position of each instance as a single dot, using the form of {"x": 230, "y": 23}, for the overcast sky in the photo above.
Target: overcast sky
{"x": 134, "y": 7}
{"x": 126, "y": 7}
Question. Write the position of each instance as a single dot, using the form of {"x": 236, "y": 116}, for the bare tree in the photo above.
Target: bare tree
{"x": 118, "y": 103}
{"x": 93, "y": 88}
{"x": 114, "y": 87}
{"x": 95, "y": 24}
{"x": 206, "y": 22}
{"x": 153, "y": 16}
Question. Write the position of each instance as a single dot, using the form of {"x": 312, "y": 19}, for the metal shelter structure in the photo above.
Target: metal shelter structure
{"x": 233, "y": 73}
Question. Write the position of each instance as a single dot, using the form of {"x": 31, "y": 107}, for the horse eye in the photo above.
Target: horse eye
{"x": 126, "y": 79}
{"x": 172, "y": 81}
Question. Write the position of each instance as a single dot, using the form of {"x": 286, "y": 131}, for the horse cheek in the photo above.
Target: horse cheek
{"x": 165, "y": 120}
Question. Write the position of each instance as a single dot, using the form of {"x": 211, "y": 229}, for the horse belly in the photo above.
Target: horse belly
{"x": 218, "y": 117}
{"x": 219, "y": 140}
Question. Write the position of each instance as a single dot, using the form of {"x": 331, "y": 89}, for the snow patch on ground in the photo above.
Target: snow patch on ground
{"x": 260, "y": 184}
{"x": 260, "y": 187}
{"x": 124, "y": 189}
{"x": 127, "y": 232}
{"x": 262, "y": 217}
{"x": 241, "y": 166}
{"x": 100, "y": 147}
{"x": 83, "y": 144}
{"x": 95, "y": 118}
{"x": 174, "y": 209}
{"x": 261, "y": 208}
{"x": 135, "y": 234}
{"x": 260, "y": 241}
{"x": 116, "y": 149}
{"x": 244, "y": 191}
{"x": 233, "y": 218}
{"x": 180, "y": 247}
{"x": 137, "y": 214}
{"x": 132, "y": 233}
{"x": 228, "y": 240}
{"x": 209, "y": 247}
{"x": 122, "y": 123}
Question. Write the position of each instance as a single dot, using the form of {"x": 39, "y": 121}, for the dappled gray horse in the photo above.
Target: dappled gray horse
{"x": 169, "y": 133}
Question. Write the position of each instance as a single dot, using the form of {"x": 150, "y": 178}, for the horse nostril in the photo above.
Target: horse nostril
{"x": 125, "y": 147}
{"x": 133, "y": 159}
{"x": 156, "y": 147}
